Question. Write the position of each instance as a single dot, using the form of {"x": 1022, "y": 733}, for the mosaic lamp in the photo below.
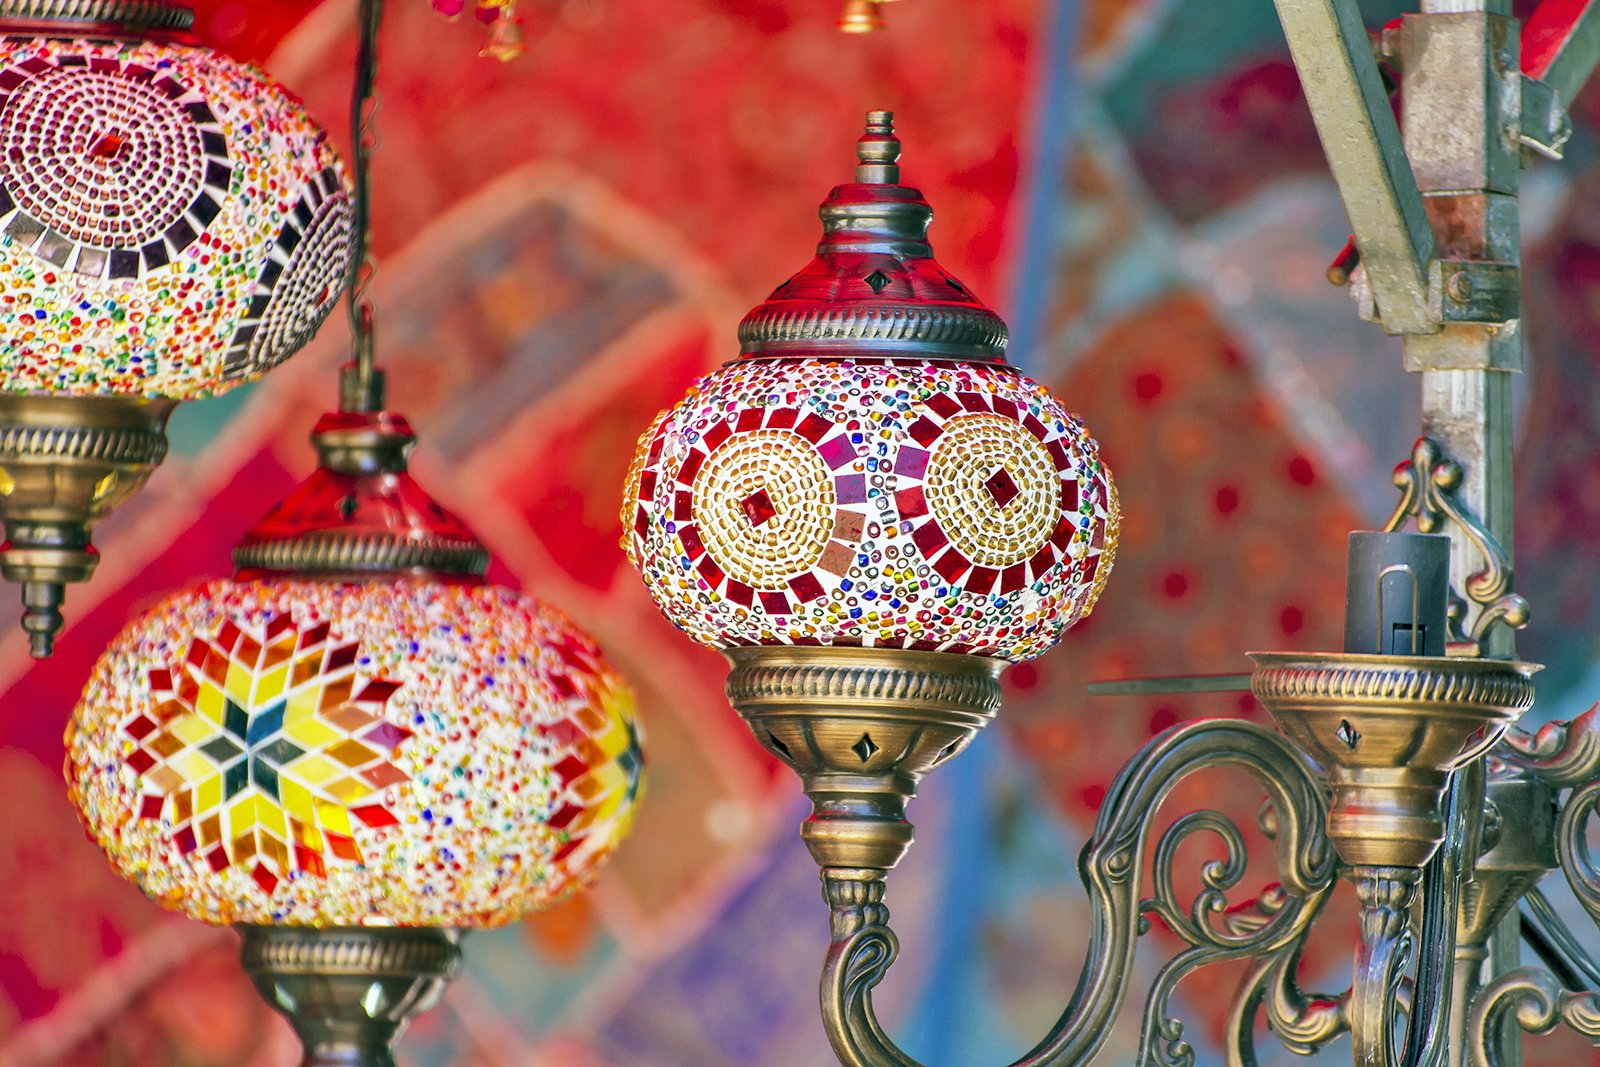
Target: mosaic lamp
{"x": 871, "y": 514}
{"x": 355, "y": 748}
{"x": 172, "y": 225}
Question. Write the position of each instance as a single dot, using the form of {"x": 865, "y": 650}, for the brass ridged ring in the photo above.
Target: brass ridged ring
{"x": 134, "y": 14}
{"x": 376, "y": 953}
{"x": 140, "y": 447}
{"x": 934, "y": 681}
{"x": 315, "y": 554}
{"x": 1388, "y": 680}
{"x": 975, "y": 333}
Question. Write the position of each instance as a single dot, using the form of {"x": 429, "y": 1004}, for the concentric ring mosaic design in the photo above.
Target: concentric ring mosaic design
{"x": 965, "y": 510}
{"x": 315, "y": 753}
{"x": 142, "y": 186}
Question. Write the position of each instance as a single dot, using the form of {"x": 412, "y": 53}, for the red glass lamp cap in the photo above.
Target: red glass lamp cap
{"x": 874, "y": 289}
{"x": 360, "y": 514}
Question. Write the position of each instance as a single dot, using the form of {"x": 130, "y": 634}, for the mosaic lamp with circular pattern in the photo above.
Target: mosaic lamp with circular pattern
{"x": 871, "y": 514}
{"x": 355, "y": 748}
{"x": 172, "y": 224}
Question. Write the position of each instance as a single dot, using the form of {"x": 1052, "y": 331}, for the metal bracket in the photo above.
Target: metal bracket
{"x": 1477, "y": 291}
{"x": 1545, "y": 127}
{"x": 1351, "y": 108}
{"x": 1428, "y": 482}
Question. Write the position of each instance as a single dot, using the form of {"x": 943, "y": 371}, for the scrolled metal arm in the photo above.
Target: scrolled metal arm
{"x": 864, "y": 947}
{"x": 1539, "y": 1004}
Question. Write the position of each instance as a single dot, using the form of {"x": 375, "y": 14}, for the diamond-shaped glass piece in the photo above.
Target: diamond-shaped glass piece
{"x": 221, "y": 750}
{"x": 759, "y": 508}
{"x": 108, "y": 146}
{"x": 281, "y": 752}
{"x": 1348, "y": 734}
{"x": 1002, "y": 487}
{"x": 865, "y": 748}
{"x": 878, "y": 280}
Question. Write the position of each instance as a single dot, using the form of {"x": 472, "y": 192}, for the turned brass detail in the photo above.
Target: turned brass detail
{"x": 68, "y": 462}
{"x": 350, "y": 993}
{"x": 129, "y": 14}
{"x": 862, "y": 727}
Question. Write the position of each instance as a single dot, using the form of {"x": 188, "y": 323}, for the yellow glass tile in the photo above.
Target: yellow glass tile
{"x": 271, "y": 817}
{"x": 316, "y": 770}
{"x": 210, "y": 830}
{"x": 303, "y": 705}
{"x": 334, "y": 819}
{"x": 183, "y": 807}
{"x": 271, "y": 686}
{"x": 164, "y": 744}
{"x": 310, "y": 733}
{"x": 192, "y": 729}
{"x": 297, "y": 799}
{"x": 238, "y": 684}
{"x": 208, "y": 794}
{"x": 211, "y": 703}
{"x": 242, "y": 812}
{"x": 192, "y": 766}
{"x": 243, "y": 848}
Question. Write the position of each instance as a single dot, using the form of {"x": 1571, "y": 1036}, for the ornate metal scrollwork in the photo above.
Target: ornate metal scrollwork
{"x": 1428, "y": 482}
{"x": 1561, "y": 754}
{"x": 1539, "y": 1003}
{"x": 1111, "y": 867}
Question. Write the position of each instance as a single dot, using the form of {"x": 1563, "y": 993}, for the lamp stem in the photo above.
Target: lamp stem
{"x": 366, "y": 393}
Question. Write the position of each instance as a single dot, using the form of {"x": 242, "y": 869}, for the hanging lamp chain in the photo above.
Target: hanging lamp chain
{"x": 362, "y": 384}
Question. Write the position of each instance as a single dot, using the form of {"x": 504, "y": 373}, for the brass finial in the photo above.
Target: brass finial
{"x": 861, "y": 16}
{"x": 879, "y": 151}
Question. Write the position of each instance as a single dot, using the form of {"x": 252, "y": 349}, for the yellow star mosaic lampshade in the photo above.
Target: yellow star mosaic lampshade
{"x": 356, "y": 729}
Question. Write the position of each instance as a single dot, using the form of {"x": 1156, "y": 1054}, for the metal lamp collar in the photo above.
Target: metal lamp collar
{"x": 874, "y": 290}
{"x": 98, "y": 14}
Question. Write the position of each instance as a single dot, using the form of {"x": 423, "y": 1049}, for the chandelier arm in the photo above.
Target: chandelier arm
{"x": 1561, "y": 754}
{"x": 1302, "y": 1022}
{"x": 1554, "y": 943}
{"x": 1111, "y": 866}
{"x": 1572, "y": 847}
{"x": 1538, "y": 1002}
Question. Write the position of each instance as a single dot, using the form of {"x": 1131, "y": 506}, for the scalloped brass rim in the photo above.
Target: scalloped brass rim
{"x": 133, "y": 14}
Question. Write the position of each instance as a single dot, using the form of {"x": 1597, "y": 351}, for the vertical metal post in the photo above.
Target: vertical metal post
{"x": 1462, "y": 107}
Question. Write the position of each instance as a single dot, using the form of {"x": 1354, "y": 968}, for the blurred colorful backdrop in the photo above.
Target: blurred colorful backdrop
{"x": 568, "y": 240}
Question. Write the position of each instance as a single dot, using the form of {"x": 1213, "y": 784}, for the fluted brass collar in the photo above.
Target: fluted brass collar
{"x": 127, "y": 14}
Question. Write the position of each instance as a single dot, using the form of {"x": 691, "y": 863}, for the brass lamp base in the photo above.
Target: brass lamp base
{"x": 862, "y": 726}
{"x": 349, "y": 993}
{"x": 66, "y": 463}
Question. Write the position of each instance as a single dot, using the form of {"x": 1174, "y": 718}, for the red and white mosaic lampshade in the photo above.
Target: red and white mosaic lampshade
{"x": 870, "y": 472}
{"x": 174, "y": 222}
{"x": 356, "y": 729}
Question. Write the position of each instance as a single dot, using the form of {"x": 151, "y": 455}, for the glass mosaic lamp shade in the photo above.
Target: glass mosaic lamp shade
{"x": 172, "y": 225}
{"x": 356, "y": 730}
{"x": 870, "y": 472}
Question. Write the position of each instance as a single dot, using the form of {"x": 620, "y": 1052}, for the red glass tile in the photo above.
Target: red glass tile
{"x": 150, "y": 807}
{"x": 375, "y": 816}
{"x": 265, "y": 879}
{"x": 1002, "y": 488}
{"x": 758, "y": 508}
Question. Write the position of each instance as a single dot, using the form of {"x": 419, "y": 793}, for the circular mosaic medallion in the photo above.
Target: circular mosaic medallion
{"x": 993, "y": 489}
{"x": 764, "y": 504}
{"x": 942, "y": 506}
{"x": 301, "y": 283}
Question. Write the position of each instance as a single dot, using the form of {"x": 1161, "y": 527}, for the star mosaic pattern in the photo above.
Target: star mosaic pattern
{"x": 409, "y": 752}
{"x": 267, "y": 750}
{"x": 948, "y": 507}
